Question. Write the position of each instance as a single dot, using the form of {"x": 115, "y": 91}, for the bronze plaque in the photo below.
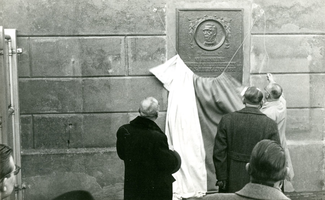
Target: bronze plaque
{"x": 210, "y": 41}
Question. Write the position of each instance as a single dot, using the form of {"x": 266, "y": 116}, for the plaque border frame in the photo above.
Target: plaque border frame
{"x": 244, "y": 16}
{"x": 177, "y": 10}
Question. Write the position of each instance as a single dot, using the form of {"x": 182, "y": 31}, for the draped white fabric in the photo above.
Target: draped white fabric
{"x": 184, "y": 133}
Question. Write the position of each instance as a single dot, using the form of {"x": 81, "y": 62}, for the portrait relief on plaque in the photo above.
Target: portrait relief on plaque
{"x": 209, "y": 33}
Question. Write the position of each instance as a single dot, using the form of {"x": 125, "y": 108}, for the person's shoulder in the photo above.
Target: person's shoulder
{"x": 230, "y": 114}
{"x": 268, "y": 120}
{"x": 124, "y": 129}
{"x": 221, "y": 196}
{"x": 158, "y": 134}
{"x": 124, "y": 126}
{"x": 258, "y": 191}
{"x": 226, "y": 118}
{"x": 269, "y": 112}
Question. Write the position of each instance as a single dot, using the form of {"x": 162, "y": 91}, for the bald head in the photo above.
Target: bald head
{"x": 274, "y": 91}
{"x": 149, "y": 108}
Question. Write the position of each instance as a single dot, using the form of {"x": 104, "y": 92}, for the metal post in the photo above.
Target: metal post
{"x": 14, "y": 105}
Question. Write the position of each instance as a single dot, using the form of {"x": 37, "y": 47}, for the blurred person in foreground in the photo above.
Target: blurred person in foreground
{"x": 8, "y": 171}
{"x": 238, "y": 133}
{"x": 275, "y": 107}
{"x": 149, "y": 163}
{"x": 267, "y": 170}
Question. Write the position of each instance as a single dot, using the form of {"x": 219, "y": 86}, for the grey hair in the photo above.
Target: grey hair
{"x": 149, "y": 107}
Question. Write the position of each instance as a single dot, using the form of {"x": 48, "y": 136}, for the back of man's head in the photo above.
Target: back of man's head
{"x": 275, "y": 90}
{"x": 149, "y": 108}
{"x": 5, "y": 154}
{"x": 253, "y": 96}
{"x": 267, "y": 163}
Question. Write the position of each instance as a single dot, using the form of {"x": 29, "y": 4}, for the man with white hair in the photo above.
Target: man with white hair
{"x": 149, "y": 163}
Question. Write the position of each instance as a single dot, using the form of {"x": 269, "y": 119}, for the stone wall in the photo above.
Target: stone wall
{"x": 84, "y": 70}
{"x": 289, "y": 42}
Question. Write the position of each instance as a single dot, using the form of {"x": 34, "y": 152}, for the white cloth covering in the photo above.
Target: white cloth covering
{"x": 183, "y": 133}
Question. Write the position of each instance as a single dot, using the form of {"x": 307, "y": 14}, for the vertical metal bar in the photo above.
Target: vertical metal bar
{"x": 3, "y": 89}
{"x": 14, "y": 101}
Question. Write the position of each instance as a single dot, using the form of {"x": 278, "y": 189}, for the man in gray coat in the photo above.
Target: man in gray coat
{"x": 238, "y": 133}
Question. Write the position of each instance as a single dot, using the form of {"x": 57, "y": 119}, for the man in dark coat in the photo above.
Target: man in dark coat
{"x": 149, "y": 163}
{"x": 238, "y": 133}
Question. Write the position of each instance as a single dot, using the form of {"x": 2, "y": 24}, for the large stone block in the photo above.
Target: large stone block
{"x": 77, "y": 17}
{"x": 121, "y": 94}
{"x": 305, "y": 124}
{"x": 308, "y": 164}
{"x": 145, "y": 53}
{"x": 317, "y": 90}
{"x": 300, "y": 90}
{"x": 287, "y": 54}
{"x": 288, "y": 16}
{"x": 102, "y": 56}
{"x": 50, "y": 173}
{"x": 99, "y": 130}
{"x": 85, "y": 56}
{"x": 24, "y": 58}
{"x": 26, "y": 134}
{"x": 55, "y": 57}
{"x": 50, "y": 95}
{"x": 58, "y": 131}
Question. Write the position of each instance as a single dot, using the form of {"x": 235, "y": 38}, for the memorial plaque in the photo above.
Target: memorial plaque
{"x": 210, "y": 41}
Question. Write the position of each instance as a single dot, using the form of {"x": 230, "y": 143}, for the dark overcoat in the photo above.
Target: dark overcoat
{"x": 149, "y": 163}
{"x": 238, "y": 133}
